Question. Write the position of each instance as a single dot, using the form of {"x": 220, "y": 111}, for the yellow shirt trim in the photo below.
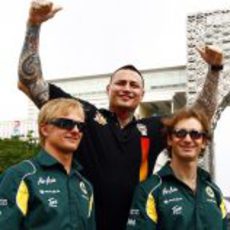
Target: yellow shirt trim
{"x": 223, "y": 208}
{"x": 22, "y": 197}
{"x": 151, "y": 208}
{"x": 90, "y": 206}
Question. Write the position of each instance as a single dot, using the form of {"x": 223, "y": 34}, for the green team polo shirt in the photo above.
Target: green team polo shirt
{"x": 38, "y": 194}
{"x": 164, "y": 202}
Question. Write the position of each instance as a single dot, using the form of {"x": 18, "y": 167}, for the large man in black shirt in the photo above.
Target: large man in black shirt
{"x": 117, "y": 150}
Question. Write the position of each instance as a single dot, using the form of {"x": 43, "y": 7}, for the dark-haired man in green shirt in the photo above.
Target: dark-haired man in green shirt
{"x": 47, "y": 191}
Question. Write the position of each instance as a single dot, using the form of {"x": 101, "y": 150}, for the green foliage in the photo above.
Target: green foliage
{"x": 15, "y": 150}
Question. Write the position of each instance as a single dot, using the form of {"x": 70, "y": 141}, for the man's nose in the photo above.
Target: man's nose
{"x": 75, "y": 129}
{"x": 127, "y": 87}
{"x": 187, "y": 137}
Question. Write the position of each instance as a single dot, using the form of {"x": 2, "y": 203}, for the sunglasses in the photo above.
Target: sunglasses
{"x": 194, "y": 134}
{"x": 68, "y": 124}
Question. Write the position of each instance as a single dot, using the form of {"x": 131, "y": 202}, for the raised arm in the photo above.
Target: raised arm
{"x": 31, "y": 81}
{"x": 207, "y": 99}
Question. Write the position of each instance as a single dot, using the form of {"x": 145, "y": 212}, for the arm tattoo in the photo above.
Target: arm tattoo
{"x": 30, "y": 73}
{"x": 207, "y": 99}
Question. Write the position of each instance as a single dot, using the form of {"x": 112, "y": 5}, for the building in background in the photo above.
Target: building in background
{"x": 20, "y": 129}
{"x": 165, "y": 91}
{"x": 208, "y": 28}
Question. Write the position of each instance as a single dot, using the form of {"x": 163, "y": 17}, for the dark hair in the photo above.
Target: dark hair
{"x": 187, "y": 113}
{"x": 128, "y": 67}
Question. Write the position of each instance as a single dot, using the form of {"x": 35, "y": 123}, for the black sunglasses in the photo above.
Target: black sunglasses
{"x": 69, "y": 124}
{"x": 194, "y": 134}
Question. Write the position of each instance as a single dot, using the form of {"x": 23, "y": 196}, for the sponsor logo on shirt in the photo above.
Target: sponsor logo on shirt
{"x": 3, "y": 202}
{"x": 41, "y": 191}
{"x": 142, "y": 129}
{"x": 46, "y": 180}
{"x": 169, "y": 190}
{"x": 131, "y": 222}
{"x": 177, "y": 210}
{"x": 176, "y": 199}
{"x": 53, "y": 202}
{"x": 133, "y": 213}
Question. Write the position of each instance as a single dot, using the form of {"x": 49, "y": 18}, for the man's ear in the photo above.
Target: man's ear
{"x": 143, "y": 93}
{"x": 204, "y": 144}
{"x": 169, "y": 140}
{"x": 107, "y": 89}
{"x": 44, "y": 130}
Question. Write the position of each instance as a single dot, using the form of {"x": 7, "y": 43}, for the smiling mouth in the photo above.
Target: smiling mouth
{"x": 73, "y": 139}
{"x": 188, "y": 148}
{"x": 126, "y": 97}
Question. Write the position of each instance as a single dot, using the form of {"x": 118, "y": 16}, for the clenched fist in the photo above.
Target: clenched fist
{"x": 41, "y": 10}
{"x": 212, "y": 55}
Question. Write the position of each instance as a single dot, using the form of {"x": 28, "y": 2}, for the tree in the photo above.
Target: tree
{"x": 15, "y": 150}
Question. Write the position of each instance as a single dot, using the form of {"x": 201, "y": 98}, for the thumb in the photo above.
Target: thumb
{"x": 53, "y": 12}
{"x": 202, "y": 53}
{"x": 56, "y": 9}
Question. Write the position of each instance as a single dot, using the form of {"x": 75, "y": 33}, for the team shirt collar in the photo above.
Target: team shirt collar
{"x": 167, "y": 171}
{"x": 46, "y": 160}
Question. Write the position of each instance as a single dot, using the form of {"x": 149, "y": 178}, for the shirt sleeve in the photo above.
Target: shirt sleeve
{"x": 221, "y": 205}
{"x": 57, "y": 92}
{"x": 157, "y": 154}
{"x": 143, "y": 212}
{"x": 13, "y": 201}
{"x": 224, "y": 213}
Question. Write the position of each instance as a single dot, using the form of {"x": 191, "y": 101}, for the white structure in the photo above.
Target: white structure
{"x": 164, "y": 92}
{"x": 17, "y": 128}
{"x": 211, "y": 28}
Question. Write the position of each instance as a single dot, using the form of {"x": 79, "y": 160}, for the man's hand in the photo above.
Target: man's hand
{"x": 41, "y": 11}
{"x": 211, "y": 55}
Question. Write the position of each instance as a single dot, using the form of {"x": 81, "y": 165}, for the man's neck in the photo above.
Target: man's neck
{"x": 185, "y": 172}
{"x": 124, "y": 117}
{"x": 63, "y": 158}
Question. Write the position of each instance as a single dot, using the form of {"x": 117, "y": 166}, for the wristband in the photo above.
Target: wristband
{"x": 216, "y": 68}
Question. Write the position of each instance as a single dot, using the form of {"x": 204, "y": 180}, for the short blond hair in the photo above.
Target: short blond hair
{"x": 56, "y": 108}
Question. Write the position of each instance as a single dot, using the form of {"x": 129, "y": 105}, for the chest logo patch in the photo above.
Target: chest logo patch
{"x": 142, "y": 129}
{"x": 209, "y": 192}
{"x": 100, "y": 119}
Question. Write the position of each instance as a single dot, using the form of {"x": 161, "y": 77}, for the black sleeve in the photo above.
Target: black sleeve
{"x": 157, "y": 140}
{"x": 57, "y": 92}
{"x": 161, "y": 133}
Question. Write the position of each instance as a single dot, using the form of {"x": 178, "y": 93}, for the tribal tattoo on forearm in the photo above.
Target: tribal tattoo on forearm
{"x": 207, "y": 99}
{"x": 30, "y": 72}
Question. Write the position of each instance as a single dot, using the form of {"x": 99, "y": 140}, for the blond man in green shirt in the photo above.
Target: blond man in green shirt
{"x": 48, "y": 191}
